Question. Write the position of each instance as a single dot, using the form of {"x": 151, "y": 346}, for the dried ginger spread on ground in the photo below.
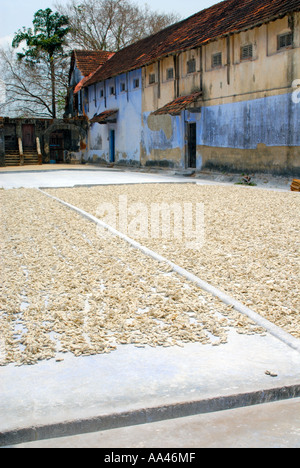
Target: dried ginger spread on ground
{"x": 66, "y": 287}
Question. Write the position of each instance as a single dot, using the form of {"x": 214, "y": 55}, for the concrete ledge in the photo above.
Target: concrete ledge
{"x": 146, "y": 415}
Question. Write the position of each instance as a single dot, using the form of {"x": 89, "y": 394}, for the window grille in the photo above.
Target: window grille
{"x": 191, "y": 66}
{"x": 217, "y": 60}
{"x": 247, "y": 52}
{"x": 86, "y": 98}
{"x": 285, "y": 40}
{"x": 170, "y": 74}
{"x": 152, "y": 78}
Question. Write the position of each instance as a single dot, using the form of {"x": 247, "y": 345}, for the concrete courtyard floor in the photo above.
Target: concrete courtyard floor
{"x": 243, "y": 393}
{"x": 65, "y": 175}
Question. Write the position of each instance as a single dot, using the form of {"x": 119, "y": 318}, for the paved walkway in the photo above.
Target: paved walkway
{"x": 141, "y": 385}
{"x": 272, "y": 425}
{"x": 60, "y": 175}
{"x": 71, "y": 176}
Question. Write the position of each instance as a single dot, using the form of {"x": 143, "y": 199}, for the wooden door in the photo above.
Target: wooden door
{"x": 112, "y": 146}
{"x": 28, "y": 135}
{"x": 192, "y": 145}
{"x": 10, "y": 135}
{"x": 57, "y": 147}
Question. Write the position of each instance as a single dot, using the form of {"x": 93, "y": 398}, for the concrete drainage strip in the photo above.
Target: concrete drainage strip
{"x": 145, "y": 415}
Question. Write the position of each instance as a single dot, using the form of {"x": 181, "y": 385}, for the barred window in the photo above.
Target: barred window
{"x": 152, "y": 78}
{"x": 217, "y": 60}
{"x": 86, "y": 98}
{"x": 191, "y": 66}
{"x": 136, "y": 83}
{"x": 170, "y": 73}
{"x": 285, "y": 40}
{"x": 247, "y": 52}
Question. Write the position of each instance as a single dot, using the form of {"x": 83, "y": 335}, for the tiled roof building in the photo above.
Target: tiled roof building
{"x": 216, "y": 90}
{"x": 227, "y": 17}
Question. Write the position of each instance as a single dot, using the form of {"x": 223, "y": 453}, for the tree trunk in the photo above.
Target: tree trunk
{"x": 53, "y": 87}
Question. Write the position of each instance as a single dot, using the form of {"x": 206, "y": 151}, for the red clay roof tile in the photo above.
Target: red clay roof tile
{"x": 175, "y": 107}
{"x": 224, "y": 18}
{"x": 105, "y": 116}
{"x": 88, "y": 61}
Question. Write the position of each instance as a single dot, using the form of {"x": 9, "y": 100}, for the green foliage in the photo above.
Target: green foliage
{"x": 44, "y": 43}
{"x": 48, "y": 35}
{"x": 246, "y": 180}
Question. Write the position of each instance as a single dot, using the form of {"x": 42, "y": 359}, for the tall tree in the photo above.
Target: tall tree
{"x": 111, "y": 24}
{"x": 27, "y": 86}
{"x": 44, "y": 42}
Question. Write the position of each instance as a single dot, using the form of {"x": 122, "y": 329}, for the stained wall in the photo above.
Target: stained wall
{"x": 248, "y": 119}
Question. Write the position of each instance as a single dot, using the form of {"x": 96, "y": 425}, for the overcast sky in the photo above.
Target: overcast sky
{"x": 14, "y": 14}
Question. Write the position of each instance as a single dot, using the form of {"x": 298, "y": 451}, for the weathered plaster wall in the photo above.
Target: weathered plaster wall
{"x": 261, "y": 134}
{"x": 273, "y": 121}
{"x": 248, "y": 119}
{"x": 255, "y": 135}
{"x": 162, "y": 141}
{"x": 127, "y": 100}
{"x": 270, "y": 71}
{"x": 275, "y": 159}
{"x": 76, "y": 76}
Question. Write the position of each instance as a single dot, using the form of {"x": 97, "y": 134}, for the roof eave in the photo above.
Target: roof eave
{"x": 184, "y": 49}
